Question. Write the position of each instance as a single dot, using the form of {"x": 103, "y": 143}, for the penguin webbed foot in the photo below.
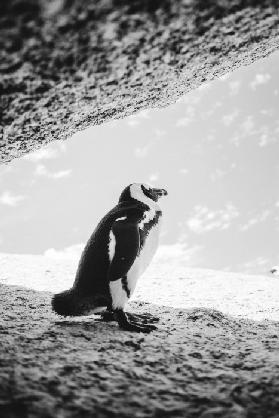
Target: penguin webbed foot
{"x": 126, "y": 324}
{"x": 144, "y": 319}
{"x": 106, "y": 316}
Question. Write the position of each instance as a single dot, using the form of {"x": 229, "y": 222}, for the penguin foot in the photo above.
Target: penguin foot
{"x": 127, "y": 325}
{"x": 140, "y": 319}
{"x": 106, "y": 316}
{"x": 136, "y": 327}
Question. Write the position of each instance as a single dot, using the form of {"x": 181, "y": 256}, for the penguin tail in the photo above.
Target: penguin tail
{"x": 69, "y": 303}
{"x": 64, "y": 303}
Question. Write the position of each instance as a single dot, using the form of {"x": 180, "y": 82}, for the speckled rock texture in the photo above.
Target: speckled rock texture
{"x": 68, "y": 64}
{"x": 200, "y": 363}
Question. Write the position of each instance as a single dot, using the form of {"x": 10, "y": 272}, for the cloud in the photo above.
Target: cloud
{"x": 225, "y": 77}
{"x": 153, "y": 177}
{"x": 247, "y": 127}
{"x": 267, "y": 136}
{"x": 207, "y": 114}
{"x": 41, "y": 170}
{"x": 144, "y": 114}
{"x": 46, "y": 153}
{"x": 264, "y": 134}
{"x": 264, "y": 140}
{"x": 142, "y": 152}
{"x": 183, "y": 122}
{"x": 134, "y": 120}
{"x": 60, "y": 174}
{"x": 192, "y": 98}
{"x": 210, "y": 137}
{"x": 259, "y": 79}
{"x": 206, "y": 220}
{"x": 205, "y": 85}
{"x": 217, "y": 174}
{"x": 188, "y": 118}
{"x": 229, "y": 118}
{"x": 258, "y": 265}
{"x": 72, "y": 252}
{"x": 234, "y": 87}
{"x": 183, "y": 171}
{"x": 9, "y": 199}
{"x": 160, "y": 132}
{"x": 62, "y": 146}
{"x": 173, "y": 259}
{"x": 261, "y": 217}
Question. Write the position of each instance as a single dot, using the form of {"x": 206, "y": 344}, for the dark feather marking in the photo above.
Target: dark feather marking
{"x": 147, "y": 227}
{"x": 124, "y": 282}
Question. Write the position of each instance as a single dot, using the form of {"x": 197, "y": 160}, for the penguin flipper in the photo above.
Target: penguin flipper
{"x": 124, "y": 247}
{"x": 127, "y": 243}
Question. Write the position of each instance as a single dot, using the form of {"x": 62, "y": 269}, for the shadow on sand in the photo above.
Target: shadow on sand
{"x": 199, "y": 363}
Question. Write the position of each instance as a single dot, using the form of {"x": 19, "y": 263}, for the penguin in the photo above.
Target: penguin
{"x": 115, "y": 256}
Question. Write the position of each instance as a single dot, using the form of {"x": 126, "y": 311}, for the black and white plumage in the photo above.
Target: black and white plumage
{"x": 117, "y": 253}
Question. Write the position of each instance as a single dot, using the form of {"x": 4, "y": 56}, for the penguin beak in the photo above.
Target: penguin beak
{"x": 160, "y": 192}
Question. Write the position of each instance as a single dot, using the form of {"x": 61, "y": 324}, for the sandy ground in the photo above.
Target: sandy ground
{"x": 215, "y": 353}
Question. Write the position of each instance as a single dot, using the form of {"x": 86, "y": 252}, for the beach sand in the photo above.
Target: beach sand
{"x": 215, "y": 352}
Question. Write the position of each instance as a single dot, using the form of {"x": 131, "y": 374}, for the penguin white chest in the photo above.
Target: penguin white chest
{"x": 144, "y": 257}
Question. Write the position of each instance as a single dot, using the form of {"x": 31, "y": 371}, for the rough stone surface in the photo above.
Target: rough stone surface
{"x": 69, "y": 64}
{"x": 199, "y": 363}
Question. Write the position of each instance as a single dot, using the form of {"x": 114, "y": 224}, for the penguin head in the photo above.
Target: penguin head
{"x": 141, "y": 192}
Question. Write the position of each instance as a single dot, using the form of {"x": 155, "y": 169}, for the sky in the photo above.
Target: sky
{"x": 216, "y": 151}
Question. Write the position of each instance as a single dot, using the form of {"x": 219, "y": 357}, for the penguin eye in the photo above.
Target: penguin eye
{"x": 147, "y": 192}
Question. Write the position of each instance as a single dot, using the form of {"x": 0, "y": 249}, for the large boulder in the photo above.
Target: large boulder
{"x": 69, "y": 64}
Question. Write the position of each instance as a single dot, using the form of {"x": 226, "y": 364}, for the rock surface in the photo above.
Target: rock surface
{"x": 66, "y": 65}
{"x": 199, "y": 363}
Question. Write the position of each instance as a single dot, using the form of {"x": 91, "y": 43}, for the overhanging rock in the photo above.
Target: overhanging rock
{"x": 69, "y": 64}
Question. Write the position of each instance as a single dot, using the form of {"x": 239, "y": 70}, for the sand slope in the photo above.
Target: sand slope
{"x": 200, "y": 362}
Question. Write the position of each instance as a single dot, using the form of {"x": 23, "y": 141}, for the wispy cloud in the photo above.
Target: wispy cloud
{"x": 258, "y": 265}
{"x": 174, "y": 257}
{"x": 206, "y": 220}
{"x": 142, "y": 152}
{"x": 183, "y": 121}
{"x": 260, "y": 79}
{"x": 134, "y": 120}
{"x": 217, "y": 174}
{"x": 247, "y": 126}
{"x": 41, "y": 170}
{"x": 9, "y": 199}
{"x": 160, "y": 132}
{"x": 191, "y": 98}
{"x": 267, "y": 136}
{"x": 189, "y": 116}
{"x": 60, "y": 174}
{"x": 229, "y": 118}
{"x": 234, "y": 87}
{"x": 259, "y": 218}
{"x": 183, "y": 171}
{"x": 42, "y": 154}
{"x": 153, "y": 177}
{"x": 71, "y": 252}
